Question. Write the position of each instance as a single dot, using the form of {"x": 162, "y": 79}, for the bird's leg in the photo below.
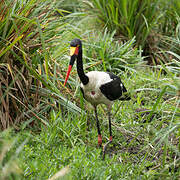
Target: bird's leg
{"x": 98, "y": 127}
{"x": 110, "y": 133}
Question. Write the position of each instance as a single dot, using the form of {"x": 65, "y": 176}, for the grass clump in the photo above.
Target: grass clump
{"x": 111, "y": 52}
{"x": 148, "y": 21}
{"x": 25, "y": 64}
{"x": 128, "y": 18}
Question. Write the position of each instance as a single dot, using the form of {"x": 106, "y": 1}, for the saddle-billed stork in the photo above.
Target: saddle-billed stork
{"x": 97, "y": 87}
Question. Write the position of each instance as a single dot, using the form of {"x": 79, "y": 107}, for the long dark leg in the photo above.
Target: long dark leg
{"x": 110, "y": 133}
{"x": 98, "y": 127}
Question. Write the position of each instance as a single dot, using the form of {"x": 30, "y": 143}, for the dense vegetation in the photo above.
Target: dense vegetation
{"x": 48, "y": 130}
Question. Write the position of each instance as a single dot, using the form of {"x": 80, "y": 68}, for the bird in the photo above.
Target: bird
{"x": 97, "y": 87}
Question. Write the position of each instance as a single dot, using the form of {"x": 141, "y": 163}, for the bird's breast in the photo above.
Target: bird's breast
{"x": 91, "y": 91}
{"x": 91, "y": 95}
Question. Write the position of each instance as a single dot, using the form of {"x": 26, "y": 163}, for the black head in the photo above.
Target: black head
{"x": 76, "y": 43}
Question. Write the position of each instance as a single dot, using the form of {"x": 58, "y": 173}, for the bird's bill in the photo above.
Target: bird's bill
{"x": 67, "y": 74}
{"x": 71, "y": 63}
{"x": 73, "y": 53}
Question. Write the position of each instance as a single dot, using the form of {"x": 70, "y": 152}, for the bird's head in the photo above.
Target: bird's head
{"x": 75, "y": 49}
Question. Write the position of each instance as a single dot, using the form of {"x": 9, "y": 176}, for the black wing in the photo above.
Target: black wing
{"x": 114, "y": 89}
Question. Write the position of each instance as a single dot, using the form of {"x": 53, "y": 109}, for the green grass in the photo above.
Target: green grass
{"x": 53, "y": 128}
{"x": 128, "y": 18}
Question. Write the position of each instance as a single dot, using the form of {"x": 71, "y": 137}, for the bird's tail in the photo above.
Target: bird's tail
{"x": 125, "y": 95}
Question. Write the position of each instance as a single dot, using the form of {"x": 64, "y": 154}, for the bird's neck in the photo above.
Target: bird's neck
{"x": 84, "y": 79}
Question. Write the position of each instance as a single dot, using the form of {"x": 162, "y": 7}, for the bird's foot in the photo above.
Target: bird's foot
{"x": 99, "y": 140}
{"x": 110, "y": 138}
{"x": 105, "y": 146}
